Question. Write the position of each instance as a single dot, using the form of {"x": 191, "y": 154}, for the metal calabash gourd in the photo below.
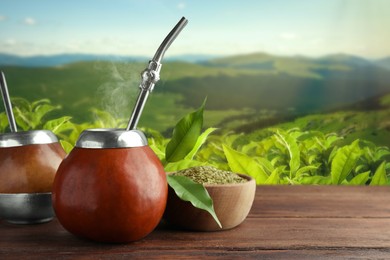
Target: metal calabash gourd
{"x": 112, "y": 187}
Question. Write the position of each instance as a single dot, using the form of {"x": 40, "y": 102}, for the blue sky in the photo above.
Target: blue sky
{"x": 137, "y": 27}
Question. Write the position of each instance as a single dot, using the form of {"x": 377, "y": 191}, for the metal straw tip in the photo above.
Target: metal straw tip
{"x": 169, "y": 39}
{"x": 183, "y": 20}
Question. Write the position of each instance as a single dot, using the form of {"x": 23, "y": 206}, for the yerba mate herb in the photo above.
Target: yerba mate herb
{"x": 210, "y": 175}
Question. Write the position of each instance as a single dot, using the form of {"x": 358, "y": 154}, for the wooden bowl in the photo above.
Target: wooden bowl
{"x": 232, "y": 203}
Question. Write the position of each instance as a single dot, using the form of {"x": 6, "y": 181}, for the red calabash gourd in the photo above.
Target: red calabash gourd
{"x": 110, "y": 194}
{"x": 27, "y": 163}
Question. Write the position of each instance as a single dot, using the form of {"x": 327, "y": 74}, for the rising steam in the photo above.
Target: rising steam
{"x": 117, "y": 95}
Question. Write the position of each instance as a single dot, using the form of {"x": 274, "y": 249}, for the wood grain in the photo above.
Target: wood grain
{"x": 322, "y": 201}
{"x": 286, "y": 222}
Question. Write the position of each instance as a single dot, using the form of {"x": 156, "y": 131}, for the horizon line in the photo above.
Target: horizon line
{"x": 173, "y": 56}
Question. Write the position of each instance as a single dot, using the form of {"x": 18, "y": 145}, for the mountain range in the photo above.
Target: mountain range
{"x": 253, "y": 60}
{"x": 251, "y": 86}
{"x": 264, "y": 81}
{"x": 62, "y": 59}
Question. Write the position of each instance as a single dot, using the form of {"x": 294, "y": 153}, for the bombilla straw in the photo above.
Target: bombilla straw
{"x": 7, "y": 103}
{"x": 151, "y": 74}
{"x": 169, "y": 39}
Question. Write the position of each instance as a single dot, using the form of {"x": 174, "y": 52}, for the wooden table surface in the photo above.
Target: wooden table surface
{"x": 286, "y": 222}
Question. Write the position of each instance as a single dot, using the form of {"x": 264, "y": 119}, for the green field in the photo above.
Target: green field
{"x": 244, "y": 93}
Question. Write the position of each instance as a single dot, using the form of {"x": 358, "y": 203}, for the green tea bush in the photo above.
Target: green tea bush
{"x": 280, "y": 157}
{"x": 301, "y": 157}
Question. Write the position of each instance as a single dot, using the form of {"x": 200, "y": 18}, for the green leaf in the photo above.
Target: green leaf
{"x": 195, "y": 193}
{"x": 242, "y": 163}
{"x": 199, "y": 142}
{"x": 182, "y": 164}
{"x": 344, "y": 161}
{"x": 156, "y": 149}
{"x": 312, "y": 158}
{"x": 360, "y": 179}
{"x": 39, "y": 102}
{"x": 59, "y": 125}
{"x": 29, "y": 116}
{"x": 332, "y": 154}
{"x": 331, "y": 139}
{"x": 321, "y": 180}
{"x": 277, "y": 160}
{"x": 3, "y": 122}
{"x": 267, "y": 165}
{"x": 361, "y": 168}
{"x": 305, "y": 169}
{"x": 39, "y": 112}
{"x": 247, "y": 148}
{"x": 21, "y": 103}
{"x": 291, "y": 145}
{"x": 380, "y": 177}
{"x": 185, "y": 136}
{"x": 66, "y": 146}
{"x": 274, "y": 178}
{"x": 21, "y": 120}
{"x": 381, "y": 153}
{"x": 387, "y": 166}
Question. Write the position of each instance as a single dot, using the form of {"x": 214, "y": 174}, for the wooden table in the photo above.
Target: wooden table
{"x": 286, "y": 222}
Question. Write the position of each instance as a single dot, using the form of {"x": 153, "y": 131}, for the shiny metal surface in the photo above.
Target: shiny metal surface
{"x": 26, "y": 208}
{"x": 7, "y": 103}
{"x": 151, "y": 74}
{"x": 111, "y": 138}
{"x": 169, "y": 39}
{"x": 26, "y": 138}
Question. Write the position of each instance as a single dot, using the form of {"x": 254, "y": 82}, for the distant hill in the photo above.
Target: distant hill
{"x": 62, "y": 59}
{"x": 264, "y": 81}
{"x": 262, "y": 61}
{"x": 296, "y": 65}
{"x": 385, "y": 63}
{"x": 344, "y": 60}
{"x": 260, "y": 83}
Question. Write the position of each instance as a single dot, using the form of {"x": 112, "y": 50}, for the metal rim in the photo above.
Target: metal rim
{"x": 111, "y": 138}
{"x": 27, "y": 137}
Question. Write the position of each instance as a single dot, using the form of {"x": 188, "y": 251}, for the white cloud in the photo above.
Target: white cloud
{"x": 181, "y": 5}
{"x": 288, "y": 36}
{"x": 29, "y": 21}
{"x": 10, "y": 42}
{"x": 3, "y": 18}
